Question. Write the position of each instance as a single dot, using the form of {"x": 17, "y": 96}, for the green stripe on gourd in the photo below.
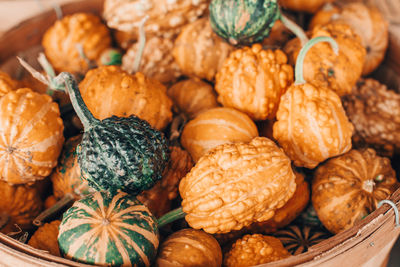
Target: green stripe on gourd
{"x": 109, "y": 230}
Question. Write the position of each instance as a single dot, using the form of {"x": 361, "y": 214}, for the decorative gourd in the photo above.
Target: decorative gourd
{"x": 157, "y": 61}
{"x": 309, "y": 6}
{"x": 45, "y": 238}
{"x": 193, "y": 96}
{"x": 108, "y": 90}
{"x": 20, "y": 204}
{"x": 199, "y": 51}
{"x": 255, "y": 249}
{"x": 348, "y": 188}
{"x": 109, "y": 230}
{"x": 247, "y": 22}
{"x": 62, "y": 40}
{"x": 298, "y": 239}
{"x": 311, "y": 123}
{"x": 189, "y": 248}
{"x": 31, "y": 136}
{"x": 163, "y": 15}
{"x": 324, "y": 15}
{"x": 278, "y": 36}
{"x": 214, "y": 127}
{"x": 237, "y": 184}
{"x": 322, "y": 67}
{"x": 66, "y": 178}
{"x": 252, "y": 80}
{"x": 371, "y": 26}
{"x": 7, "y": 84}
{"x": 374, "y": 111}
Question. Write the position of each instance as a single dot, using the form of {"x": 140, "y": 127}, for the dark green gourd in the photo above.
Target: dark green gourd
{"x": 246, "y": 22}
{"x": 117, "y": 153}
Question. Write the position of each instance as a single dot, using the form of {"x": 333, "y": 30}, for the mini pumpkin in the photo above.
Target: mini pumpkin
{"x": 31, "y": 131}
{"x": 214, "y": 127}
{"x": 190, "y": 248}
{"x": 45, "y": 238}
{"x": 157, "y": 61}
{"x": 309, "y": 6}
{"x": 255, "y": 249}
{"x": 7, "y": 84}
{"x": 193, "y": 96}
{"x": 62, "y": 40}
{"x": 237, "y": 184}
{"x": 199, "y": 51}
{"x": 322, "y": 67}
{"x": 347, "y": 188}
{"x": 252, "y": 80}
{"x": 370, "y": 25}
{"x": 108, "y": 90}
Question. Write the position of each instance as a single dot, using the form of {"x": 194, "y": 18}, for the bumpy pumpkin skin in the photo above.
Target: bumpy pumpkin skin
{"x": 347, "y": 188}
{"x": 199, "y": 51}
{"x": 309, "y": 6}
{"x": 214, "y": 127}
{"x": 322, "y": 67}
{"x": 45, "y": 238}
{"x": 66, "y": 178}
{"x": 108, "y": 230}
{"x": 21, "y": 203}
{"x": 255, "y": 249}
{"x": 157, "y": 61}
{"x": 190, "y": 248}
{"x": 193, "y": 96}
{"x": 108, "y": 91}
{"x": 370, "y": 25}
{"x": 60, "y": 42}
{"x": 312, "y": 125}
{"x": 31, "y": 132}
{"x": 7, "y": 84}
{"x": 237, "y": 184}
{"x": 252, "y": 80}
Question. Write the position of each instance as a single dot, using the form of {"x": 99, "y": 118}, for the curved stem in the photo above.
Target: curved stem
{"x": 171, "y": 216}
{"x": 142, "y": 43}
{"x": 299, "y": 78}
{"x": 296, "y": 29}
{"x": 38, "y": 221}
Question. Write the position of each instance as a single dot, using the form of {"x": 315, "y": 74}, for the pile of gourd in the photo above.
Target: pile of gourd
{"x": 202, "y": 143}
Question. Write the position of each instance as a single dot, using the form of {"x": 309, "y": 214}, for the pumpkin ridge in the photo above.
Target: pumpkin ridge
{"x": 313, "y": 124}
{"x": 15, "y": 118}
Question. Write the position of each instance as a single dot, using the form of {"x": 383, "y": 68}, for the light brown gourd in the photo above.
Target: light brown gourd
{"x": 214, "y": 127}
{"x": 61, "y": 41}
{"x": 199, "y": 51}
{"x": 189, "y": 248}
{"x": 348, "y": 188}
{"x": 252, "y": 80}
{"x": 31, "y": 136}
{"x": 236, "y": 184}
{"x": 45, "y": 238}
{"x": 108, "y": 90}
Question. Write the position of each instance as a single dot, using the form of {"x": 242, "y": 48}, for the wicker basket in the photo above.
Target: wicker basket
{"x": 366, "y": 244}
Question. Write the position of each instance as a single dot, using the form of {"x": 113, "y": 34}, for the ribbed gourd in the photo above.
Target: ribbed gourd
{"x": 108, "y": 230}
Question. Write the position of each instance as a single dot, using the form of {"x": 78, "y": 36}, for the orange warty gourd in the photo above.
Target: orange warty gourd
{"x": 61, "y": 41}
{"x": 7, "y": 84}
{"x": 31, "y": 136}
{"x": 189, "y": 248}
{"x": 309, "y": 6}
{"x": 324, "y": 15}
{"x": 347, "y": 188}
{"x": 193, "y": 96}
{"x": 236, "y": 184}
{"x": 45, "y": 238}
{"x": 214, "y": 127}
{"x": 108, "y": 90}
{"x": 252, "y": 80}
{"x": 199, "y": 51}
{"x": 255, "y": 249}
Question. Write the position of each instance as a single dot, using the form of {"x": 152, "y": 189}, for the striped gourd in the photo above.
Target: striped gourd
{"x": 109, "y": 230}
{"x": 31, "y": 136}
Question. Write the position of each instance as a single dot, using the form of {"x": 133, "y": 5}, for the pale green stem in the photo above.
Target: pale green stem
{"x": 142, "y": 43}
{"x": 171, "y": 216}
{"x": 296, "y": 29}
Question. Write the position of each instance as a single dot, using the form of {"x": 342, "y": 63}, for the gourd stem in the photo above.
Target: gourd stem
{"x": 296, "y": 29}
{"x": 38, "y": 221}
{"x": 75, "y": 96}
{"x": 299, "y": 78}
{"x": 171, "y": 216}
{"x": 142, "y": 43}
